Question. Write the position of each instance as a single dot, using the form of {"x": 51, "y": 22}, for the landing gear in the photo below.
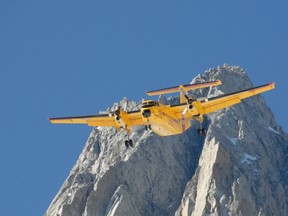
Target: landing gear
{"x": 148, "y": 127}
{"x": 201, "y": 130}
{"x": 129, "y": 143}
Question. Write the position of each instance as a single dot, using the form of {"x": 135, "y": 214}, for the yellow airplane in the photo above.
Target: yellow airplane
{"x": 166, "y": 120}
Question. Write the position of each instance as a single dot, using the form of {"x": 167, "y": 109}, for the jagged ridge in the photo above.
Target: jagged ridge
{"x": 238, "y": 168}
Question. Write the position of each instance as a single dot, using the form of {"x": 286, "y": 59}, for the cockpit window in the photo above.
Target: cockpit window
{"x": 150, "y": 103}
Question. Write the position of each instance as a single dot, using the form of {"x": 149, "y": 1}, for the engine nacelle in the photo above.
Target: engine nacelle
{"x": 146, "y": 113}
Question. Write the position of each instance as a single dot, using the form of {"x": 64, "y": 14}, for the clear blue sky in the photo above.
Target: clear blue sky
{"x": 70, "y": 57}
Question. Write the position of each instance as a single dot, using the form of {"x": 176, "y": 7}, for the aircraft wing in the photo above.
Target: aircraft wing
{"x": 135, "y": 118}
{"x": 213, "y": 104}
{"x": 101, "y": 120}
{"x": 132, "y": 118}
{"x": 216, "y": 103}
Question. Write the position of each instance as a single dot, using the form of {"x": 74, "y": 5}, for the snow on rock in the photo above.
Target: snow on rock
{"x": 233, "y": 140}
{"x": 186, "y": 174}
{"x": 248, "y": 158}
{"x": 229, "y": 186}
{"x": 274, "y": 131}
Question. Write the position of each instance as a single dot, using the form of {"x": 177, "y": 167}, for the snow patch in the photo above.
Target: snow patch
{"x": 115, "y": 206}
{"x": 99, "y": 128}
{"x": 274, "y": 131}
{"x": 233, "y": 140}
{"x": 249, "y": 158}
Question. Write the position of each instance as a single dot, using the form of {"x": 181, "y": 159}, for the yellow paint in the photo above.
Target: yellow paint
{"x": 167, "y": 120}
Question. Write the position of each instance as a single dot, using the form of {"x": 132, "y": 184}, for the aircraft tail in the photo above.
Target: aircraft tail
{"x": 186, "y": 87}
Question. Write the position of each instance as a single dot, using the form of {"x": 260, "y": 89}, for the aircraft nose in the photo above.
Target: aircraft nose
{"x": 146, "y": 113}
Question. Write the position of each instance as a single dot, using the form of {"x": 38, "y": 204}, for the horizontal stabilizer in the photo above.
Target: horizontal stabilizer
{"x": 186, "y": 87}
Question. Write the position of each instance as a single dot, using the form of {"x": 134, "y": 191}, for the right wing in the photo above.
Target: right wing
{"x": 90, "y": 120}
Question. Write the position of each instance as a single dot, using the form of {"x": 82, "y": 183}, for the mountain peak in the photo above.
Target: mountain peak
{"x": 238, "y": 168}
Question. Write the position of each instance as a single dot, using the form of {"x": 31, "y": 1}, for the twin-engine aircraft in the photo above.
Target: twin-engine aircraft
{"x": 166, "y": 120}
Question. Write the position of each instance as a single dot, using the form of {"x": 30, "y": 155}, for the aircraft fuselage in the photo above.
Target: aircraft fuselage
{"x": 162, "y": 120}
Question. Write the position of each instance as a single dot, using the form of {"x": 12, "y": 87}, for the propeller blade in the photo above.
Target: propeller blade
{"x": 184, "y": 93}
{"x": 184, "y": 111}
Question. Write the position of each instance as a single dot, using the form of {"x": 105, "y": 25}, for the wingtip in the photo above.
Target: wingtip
{"x": 148, "y": 93}
{"x": 272, "y": 84}
{"x": 219, "y": 82}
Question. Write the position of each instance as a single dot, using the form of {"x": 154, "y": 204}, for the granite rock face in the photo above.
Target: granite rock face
{"x": 238, "y": 168}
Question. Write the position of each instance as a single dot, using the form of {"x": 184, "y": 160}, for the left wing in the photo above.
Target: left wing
{"x": 132, "y": 118}
{"x": 223, "y": 101}
{"x": 208, "y": 105}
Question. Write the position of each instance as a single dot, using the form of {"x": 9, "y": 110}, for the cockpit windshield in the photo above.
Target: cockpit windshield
{"x": 149, "y": 103}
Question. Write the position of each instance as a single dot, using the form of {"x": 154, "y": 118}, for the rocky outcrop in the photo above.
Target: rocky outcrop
{"x": 238, "y": 168}
{"x": 109, "y": 179}
{"x": 241, "y": 166}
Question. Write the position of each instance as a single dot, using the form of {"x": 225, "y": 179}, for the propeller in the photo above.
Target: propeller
{"x": 188, "y": 100}
{"x": 118, "y": 118}
{"x": 117, "y": 113}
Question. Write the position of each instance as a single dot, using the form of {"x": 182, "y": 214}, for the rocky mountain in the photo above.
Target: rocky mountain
{"x": 238, "y": 168}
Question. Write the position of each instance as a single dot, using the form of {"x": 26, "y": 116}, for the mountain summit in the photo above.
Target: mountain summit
{"x": 238, "y": 168}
